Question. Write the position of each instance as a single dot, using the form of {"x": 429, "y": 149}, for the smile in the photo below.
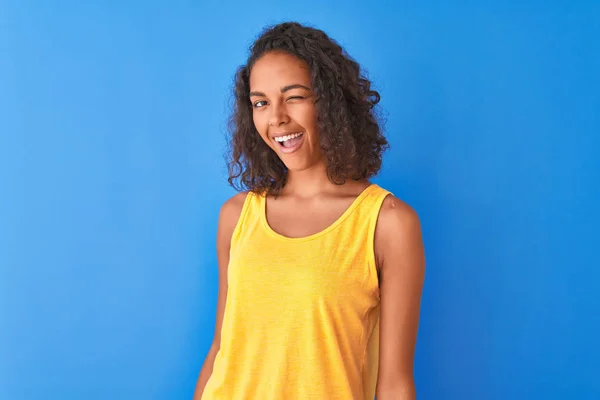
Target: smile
{"x": 290, "y": 143}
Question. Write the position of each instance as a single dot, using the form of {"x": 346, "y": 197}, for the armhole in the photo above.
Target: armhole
{"x": 240, "y": 222}
{"x": 372, "y": 260}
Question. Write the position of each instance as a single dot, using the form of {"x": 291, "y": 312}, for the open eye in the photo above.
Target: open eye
{"x": 256, "y": 103}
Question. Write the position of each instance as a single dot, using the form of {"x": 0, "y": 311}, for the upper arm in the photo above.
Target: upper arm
{"x": 400, "y": 256}
{"x": 228, "y": 218}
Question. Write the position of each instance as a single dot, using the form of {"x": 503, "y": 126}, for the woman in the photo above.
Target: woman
{"x": 320, "y": 271}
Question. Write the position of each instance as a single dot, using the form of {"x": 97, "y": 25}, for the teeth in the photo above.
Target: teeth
{"x": 287, "y": 137}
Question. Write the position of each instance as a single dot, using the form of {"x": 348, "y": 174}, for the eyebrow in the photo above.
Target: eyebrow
{"x": 283, "y": 90}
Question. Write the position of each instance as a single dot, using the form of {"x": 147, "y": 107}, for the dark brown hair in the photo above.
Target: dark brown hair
{"x": 350, "y": 135}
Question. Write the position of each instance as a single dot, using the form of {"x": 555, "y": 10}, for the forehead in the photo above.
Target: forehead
{"x": 274, "y": 70}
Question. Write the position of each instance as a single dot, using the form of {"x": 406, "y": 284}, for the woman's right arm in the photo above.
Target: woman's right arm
{"x": 228, "y": 218}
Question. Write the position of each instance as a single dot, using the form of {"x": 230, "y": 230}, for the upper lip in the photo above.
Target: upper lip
{"x": 280, "y": 134}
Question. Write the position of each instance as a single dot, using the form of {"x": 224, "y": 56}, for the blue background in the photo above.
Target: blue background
{"x": 112, "y": 121}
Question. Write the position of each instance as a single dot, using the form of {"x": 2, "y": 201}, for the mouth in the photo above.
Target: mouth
{"x": 289, "y": 143}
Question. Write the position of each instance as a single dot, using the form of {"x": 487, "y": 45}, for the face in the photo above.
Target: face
{"x": 283, "y": 109}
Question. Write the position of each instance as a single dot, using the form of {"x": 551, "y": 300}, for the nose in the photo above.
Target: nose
{"x": 278, "y": 115}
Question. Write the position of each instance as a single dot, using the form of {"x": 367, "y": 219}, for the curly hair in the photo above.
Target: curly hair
{"x": 350, "y": 135}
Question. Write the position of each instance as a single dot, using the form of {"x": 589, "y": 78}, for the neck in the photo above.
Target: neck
{"x": 309, "y": 182}
{"x": 312, "y": 182}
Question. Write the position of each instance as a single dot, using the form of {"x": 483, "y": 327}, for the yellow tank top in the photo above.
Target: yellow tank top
{"x": 301, "y": 318}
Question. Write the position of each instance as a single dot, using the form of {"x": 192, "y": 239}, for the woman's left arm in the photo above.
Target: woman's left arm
{"x": 400, "y": 257}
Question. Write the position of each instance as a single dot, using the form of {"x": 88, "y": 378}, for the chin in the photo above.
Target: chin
{"x": 300, "y": 165}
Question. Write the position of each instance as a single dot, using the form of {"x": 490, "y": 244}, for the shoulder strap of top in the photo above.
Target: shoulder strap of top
{"x": 374, "y": 199}
{"x": 372, "y": 208}
{"x": 251, "y": 205}
{"x": 372, "y": 205}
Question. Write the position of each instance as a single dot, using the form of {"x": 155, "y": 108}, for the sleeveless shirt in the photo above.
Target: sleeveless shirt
{"x": 301, "y": 318}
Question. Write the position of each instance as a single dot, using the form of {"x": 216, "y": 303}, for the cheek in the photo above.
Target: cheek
{"x": 260, "y": 125}
{"x": 310, "y": 122}
{"x": 313, "y": 116}
{"x": 256, "y": 120}
{"x": 306, "y": 116}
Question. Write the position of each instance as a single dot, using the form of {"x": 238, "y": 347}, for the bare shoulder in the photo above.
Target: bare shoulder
{"x": 396, "y": 217}
{"x": 398, "y": 230}
{"x": 234, "y": 204}
{"x": 231, "y": 211}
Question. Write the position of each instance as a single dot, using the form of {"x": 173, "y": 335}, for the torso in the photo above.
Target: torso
{"x": 302, "y": 290}
{"x": 297, "y": 218}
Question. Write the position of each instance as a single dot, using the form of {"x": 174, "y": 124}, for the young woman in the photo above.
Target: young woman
{"x": 320, "y": 271}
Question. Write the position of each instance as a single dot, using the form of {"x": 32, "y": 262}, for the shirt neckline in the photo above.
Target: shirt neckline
{"x": 355, "y": 203}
